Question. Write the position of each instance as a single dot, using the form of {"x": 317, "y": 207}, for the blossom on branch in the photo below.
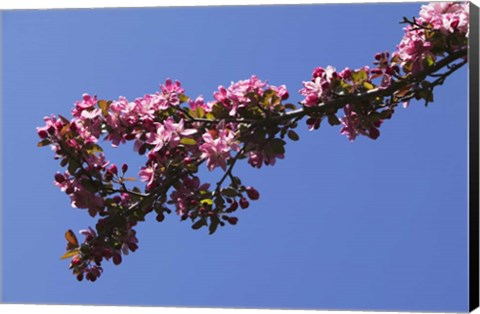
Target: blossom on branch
{"x": 249, "y": 120}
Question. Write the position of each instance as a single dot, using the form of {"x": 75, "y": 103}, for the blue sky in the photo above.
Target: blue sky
{"x": 368, "y": 225}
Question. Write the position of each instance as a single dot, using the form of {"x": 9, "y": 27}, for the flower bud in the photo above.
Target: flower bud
{"x": 73, "y": 127}
{"x": 244, "y": 203}
{"x": 108, "y": 176}
{"x": 232, "y": 207}
{"x": 373, "y": 133}
{"x": 252, "y": 193}
{"x": 129, "y": 137}
{"x": 113, "y": 169}
{"x": 124, "y": 168}
{"x": 80, "y": 277}
{"x": 117, "y": 259}
{"x": 42, "y": 133}
{"x": 76, "y": 260}
{"x": 59, "y": 178}
{"x": 160, "y": 217}
{"x": 233, "y": 220}
{"x": 132, "y": 247}
{"x": 70, "y": 190}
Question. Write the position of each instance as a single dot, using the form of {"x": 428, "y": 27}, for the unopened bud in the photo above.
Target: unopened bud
{"x": 117, "y": 259}
{"x": 373, "y": 133}
{"x": 252, "y": 193}
{"x": 233, "y": 220}
{"x": 132, "y": 247}
{"x": 113, "y": 169}
{"x": 59, "y": 178}
{"x": 160, "y": 217}
{"x": 70, "y": 190}
{"x": 42, "y": 133}
{"x": 244, "y": 203}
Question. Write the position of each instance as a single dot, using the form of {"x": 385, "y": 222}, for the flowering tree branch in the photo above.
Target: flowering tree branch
{"x": 248, "y": 120}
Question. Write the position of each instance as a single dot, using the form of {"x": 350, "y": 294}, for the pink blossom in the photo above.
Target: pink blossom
{"x": 236, "y": 95}
{"x": 168, "y": 133}
{"x": 200, "y": 103}
{"x": 258, "y": 158}
{"x": 281, "y": 91}
{"x": 82, "y": 198}
{"x": 188, "y": 193}
{"x": 447, "y": 17}
{"x": 87, "y": 102}
{"x": 319, "y": 89}
{"x": 147, "y": 174}
{"x": 450, "y": 18}
{"x": 89, "y": 233}
{"x": 96, "y": 161}
{"x": 351, "y": 124}
{"x": 217, "y": 149}
{"x": 168, "y": 96}
{"x": 53, "y": 126}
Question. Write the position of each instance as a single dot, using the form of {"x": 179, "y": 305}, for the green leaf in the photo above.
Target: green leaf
{"x": 277, "y": 146}
{"x": 192, "y": 167}
{"x": 293, "y": 135}
{"x": 64, "y": 120}
{"x": 368, "y": 86}
{"x": 87, "y": 184}
{"x": 236, "y": 181}
{"x": 136, "y": 190}
{"x": 93, "y": 148}
{"x": 199, "y": 224}
{"x": 428, "y": 61}
{"x": 104, "y": 106}
{"x": 206, "y": 201}
{"x": 213, "y": 227}
{"x": 72, "y": 167}
{"x": 188, "y": 141}
{"x": 230, "y": 192}
{"x": 199, "y": 112}
{"x": 259, "y": 135}
{"x": 183, "y": 98}
{"x": 70, "y": 253}
{"x": 44, "y": 142}
{"x": 219, "y": 111}
{"x": 128, "y": 179}
{"x": 359, "y": 76}
{"x": 386, "y": 114}
{"x": 290, "y": 106}
{"x": 333, "y": 120}
{"x": 375, "y": 117}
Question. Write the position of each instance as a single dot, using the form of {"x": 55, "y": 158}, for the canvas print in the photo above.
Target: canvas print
{"x": 272, "y": 156}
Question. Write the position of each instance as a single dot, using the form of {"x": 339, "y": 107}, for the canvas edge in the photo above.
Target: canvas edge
{"x": 473, "y": 56}
{"x": 1, "y": 156}
{"x": 474, "y": 230}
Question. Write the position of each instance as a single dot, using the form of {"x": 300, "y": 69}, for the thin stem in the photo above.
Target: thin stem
{"x": 125, "y": 191}
{"x": 228, "y": 173}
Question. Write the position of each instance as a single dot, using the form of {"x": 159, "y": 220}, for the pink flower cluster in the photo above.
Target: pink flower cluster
{"x": 442, "y": 26}
{"x": 354, "y": 124}
{"x": 80, "y": 196}
{"x": 238, "y": 95}
{"x": 447, "y": 17}
{"x": 248, "y": 120}
{"x": 217, "y": 146}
